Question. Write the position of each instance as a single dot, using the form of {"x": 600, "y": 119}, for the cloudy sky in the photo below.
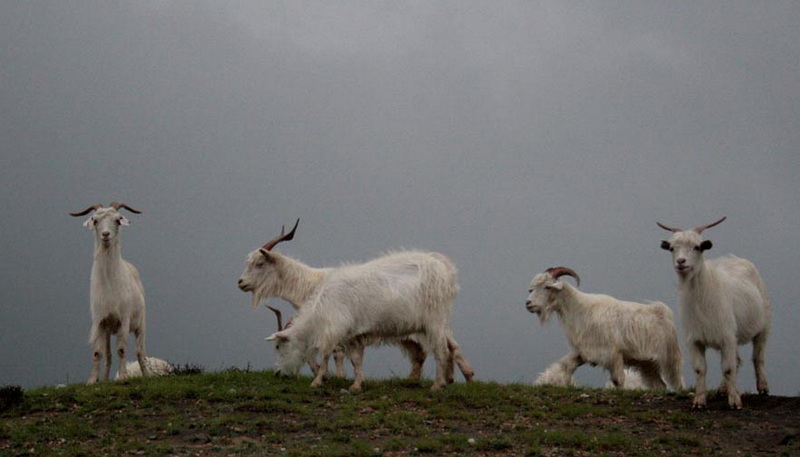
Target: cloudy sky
{"x": 510, "y": 136}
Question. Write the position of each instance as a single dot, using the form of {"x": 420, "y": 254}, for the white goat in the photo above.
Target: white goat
{"x": 379, "y": 302}
{"x": 724, "y": 304}
{"x": 602, "y": 330}
{"x": 155, "y": 366}
{"x": 410, "y": 347}
{"x": 116, "y": 292}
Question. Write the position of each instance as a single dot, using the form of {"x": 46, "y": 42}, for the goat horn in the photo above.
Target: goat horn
{"x": 272, "y": 243}
{"x": 94, "y": 207}
{"x": 557, "y": 272}
{"x": 703, "y": 227}
{"x": 118, "y": 205}
{"x": 278, "y": 315}
{"x": 668, "y": 228}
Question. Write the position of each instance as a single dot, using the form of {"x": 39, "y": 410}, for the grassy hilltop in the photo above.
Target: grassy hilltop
{"x": 254, "y": 413}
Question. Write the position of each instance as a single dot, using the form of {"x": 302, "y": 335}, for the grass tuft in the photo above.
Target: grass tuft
{"x": 10, "y": 396}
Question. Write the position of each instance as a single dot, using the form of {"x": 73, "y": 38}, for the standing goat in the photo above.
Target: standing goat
{"x": 724, "y": 304}
{"x": 604, "y": 331}
{"x": 410, "y": 347}
{"x": 382, "y": 301}
{"x": 116, "y": 294}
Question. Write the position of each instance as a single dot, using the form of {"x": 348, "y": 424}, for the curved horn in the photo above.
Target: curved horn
{"x": 118, "y": 205}
{"x": 703, "y": 227}
{"x": 272, "y": 243}
{"x": 94, "y": 207}
{"x": 668, "y": 228}
{"x": 557, "y": 272}
{"x": 277, "y": 315}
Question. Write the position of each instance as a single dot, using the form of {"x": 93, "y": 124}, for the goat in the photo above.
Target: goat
{"x": 381, "y": 301}
{"x": 354, "y": 351}
{"x": 605, "y": 331}
{"x": 156, "y": 367}
{"x": 724, "y": 304}
{"x": 116, "y": 292}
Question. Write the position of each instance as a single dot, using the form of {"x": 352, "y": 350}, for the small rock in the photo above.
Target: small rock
{"x": 201, "y": 438}
{"x": 471, "y": 441}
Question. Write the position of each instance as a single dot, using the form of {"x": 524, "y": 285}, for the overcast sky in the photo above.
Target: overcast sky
{"x": 510, "y": 136}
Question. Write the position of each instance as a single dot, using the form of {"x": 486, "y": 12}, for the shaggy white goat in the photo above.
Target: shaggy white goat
{"x": 724, "y": 304}
{"x": 116, "y": 292}
{"x": 155, "y": 366}
{"x": 410, "y": 347}
{"x": 381, "y": 301}
{"x": 604, "y": 331}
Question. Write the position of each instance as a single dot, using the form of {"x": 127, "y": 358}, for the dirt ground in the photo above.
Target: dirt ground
{"x": 767, "y": 425}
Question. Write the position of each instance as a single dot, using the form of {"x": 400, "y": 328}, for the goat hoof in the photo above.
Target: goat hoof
{"x": 699, "y": 401}
{"x": 735, "y": 402}
{"x": 355, "y": 389}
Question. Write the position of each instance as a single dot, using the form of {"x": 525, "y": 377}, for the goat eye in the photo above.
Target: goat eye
{"x": 671, "y": 249}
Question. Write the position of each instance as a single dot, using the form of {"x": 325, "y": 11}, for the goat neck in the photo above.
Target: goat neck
{"x": 298, "y": 281}
{"x": 570, "y": 304}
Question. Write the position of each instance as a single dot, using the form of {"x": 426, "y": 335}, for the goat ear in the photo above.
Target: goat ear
{"x": 124, "y": 221}
{"x": 267, "y": 255}
{"x": 89, "y": 223}
{"x": 557, "y": 286}
{"x": 706, "y": 245}
{"x": 665, "y": 245}
{"x": 282, "y": 336}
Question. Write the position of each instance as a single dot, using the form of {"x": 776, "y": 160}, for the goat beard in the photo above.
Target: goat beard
{"x": 544, "y": 316}
{"x": 259, "y": 295}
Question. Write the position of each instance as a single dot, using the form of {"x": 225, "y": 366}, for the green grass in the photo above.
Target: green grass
{"x": 255, "y": 413}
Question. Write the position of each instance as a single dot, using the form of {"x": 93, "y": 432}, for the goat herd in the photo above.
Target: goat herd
{"x": 406, "y": 299}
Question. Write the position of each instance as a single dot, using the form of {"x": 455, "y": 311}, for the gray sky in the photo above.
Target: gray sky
{"x": 510, "y": 136}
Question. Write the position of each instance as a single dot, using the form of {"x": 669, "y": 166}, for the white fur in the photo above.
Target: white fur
{"x": 384, "y": 300}
{"x": 116, "y": 296}
{"x": 556, "y": 375}
{"x": 155, "y": 366}
{"x": 602, "y": 330}
{"x": 724, "y": 304}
